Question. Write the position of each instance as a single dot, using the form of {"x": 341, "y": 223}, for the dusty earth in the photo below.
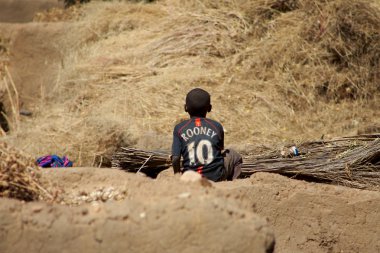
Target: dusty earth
{"x": 168, "y": 215}
{"x": 305, "y": 217}
{"x": 108, "y": 210}
{"x": 24, "y": 10}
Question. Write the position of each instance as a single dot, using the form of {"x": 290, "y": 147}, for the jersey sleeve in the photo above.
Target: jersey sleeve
{"x": 176, "y": 146}
{"x": 222, "y": 137}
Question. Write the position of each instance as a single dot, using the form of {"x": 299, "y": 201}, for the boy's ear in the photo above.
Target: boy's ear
{"x": 185, "y": 107}
{"x": 209, "y": 108}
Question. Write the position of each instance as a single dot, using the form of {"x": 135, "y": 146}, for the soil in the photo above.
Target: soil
{"x": 176, "y": 222}
{"x": 156, "y": 215}
{"x": 21, "y": 11}
{"x": 102, "y": 209}
{"x": 35, "y": 59}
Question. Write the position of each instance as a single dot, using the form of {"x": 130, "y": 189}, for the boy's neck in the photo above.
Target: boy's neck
{"x": 197, "y": 116}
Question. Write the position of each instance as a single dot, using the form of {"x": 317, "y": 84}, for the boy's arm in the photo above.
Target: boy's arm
{"x": 176, "y": 162}
{"x": 176, "y": 152}
{"x": 222, "y": 137}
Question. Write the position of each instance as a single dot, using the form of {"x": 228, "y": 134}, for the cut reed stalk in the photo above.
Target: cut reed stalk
{"x": 350, "y": 161}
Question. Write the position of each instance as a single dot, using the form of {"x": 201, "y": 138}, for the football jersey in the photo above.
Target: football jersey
{"x": 200, "y": 142}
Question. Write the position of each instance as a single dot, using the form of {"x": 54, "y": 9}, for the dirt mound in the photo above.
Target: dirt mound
{"x": 36, "y": 53}
{"x": 314, "y": 217}
{"x": 14, "y": 11}
{"x": 171, "y": 225}
{"x": 305, "y": 217}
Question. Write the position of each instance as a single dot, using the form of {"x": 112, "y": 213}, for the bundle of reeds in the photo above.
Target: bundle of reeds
{"x": 349, "y": 161}
{"x": 19, "y": 176}
{"x": 135, "y": 160}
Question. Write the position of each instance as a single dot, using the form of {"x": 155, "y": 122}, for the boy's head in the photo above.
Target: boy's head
{"x": 198, "y": 102}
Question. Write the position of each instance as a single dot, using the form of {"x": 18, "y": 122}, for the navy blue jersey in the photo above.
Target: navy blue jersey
{"x": 200, "y": 142}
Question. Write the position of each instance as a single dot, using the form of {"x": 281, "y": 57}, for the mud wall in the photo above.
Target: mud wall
{"x": 173, "y": 225}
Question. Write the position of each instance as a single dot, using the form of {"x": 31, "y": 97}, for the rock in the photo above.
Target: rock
{"x": 95, "y": 206}
{"x": 184, "y": 195}
{"x": 191, "y": 176}
{"x": 25, "y": 112}
{"x": 168, "y": 173}
{"x": 84, "y": 211}
{"x": 37, "y": 208}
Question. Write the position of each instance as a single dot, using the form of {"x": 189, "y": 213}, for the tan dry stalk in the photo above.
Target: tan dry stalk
{"x": 20, "y": 177}
{"x": 277, "y": 71}
{"x": 350, "y": 161}
{"x": 13, "y": 97}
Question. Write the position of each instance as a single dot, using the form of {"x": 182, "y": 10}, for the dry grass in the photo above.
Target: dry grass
{"x": 58, "y": 15}
{"x": 9, "y": 96}
{"x": 19, "y": 176}
{"x": 277, "y": 70}
{"x": 12, "y": 100}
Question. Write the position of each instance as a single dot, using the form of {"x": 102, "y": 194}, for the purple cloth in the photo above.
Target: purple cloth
{"x": 54, "y": 161}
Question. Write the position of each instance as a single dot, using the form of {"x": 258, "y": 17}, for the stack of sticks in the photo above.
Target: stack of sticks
{"x": 135, "y": 160}
{"x": 349, "y": 161}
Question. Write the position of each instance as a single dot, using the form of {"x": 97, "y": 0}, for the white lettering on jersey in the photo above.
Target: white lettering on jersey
{"x": 184, "y": 137}
{"x": 189, "y": 133}
{"x": 198, "y": 131}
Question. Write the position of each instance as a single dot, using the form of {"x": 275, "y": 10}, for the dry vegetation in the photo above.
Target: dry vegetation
{"x": 19, "y": 176}
{"x": 7, "y": 91}
{"x": 278, "y": 71}
{"x": 349, "y": 161}
{"x": 59, "y": 14}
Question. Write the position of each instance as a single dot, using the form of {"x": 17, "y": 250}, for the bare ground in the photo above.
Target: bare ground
{"x": 22, "y": 11}
{"x": 305, "y": 217}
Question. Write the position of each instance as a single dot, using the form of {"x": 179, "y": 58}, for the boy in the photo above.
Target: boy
{"x": 200, "y": 142}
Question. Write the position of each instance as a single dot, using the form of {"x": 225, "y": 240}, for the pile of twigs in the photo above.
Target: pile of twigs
{"x": 134, "y": 160}
{"x": 19, "y": 176}
{"x": 350, "y": 161}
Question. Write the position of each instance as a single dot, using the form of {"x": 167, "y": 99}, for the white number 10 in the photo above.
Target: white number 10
{"x": 197, "y": 152}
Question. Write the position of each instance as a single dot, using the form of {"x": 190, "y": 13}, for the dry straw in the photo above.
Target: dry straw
{"x": 135, "y": 160}
{"x": 19, "y": 176}
{"x": 349, "y": 161}
{"x": 14, "y": 101}
{"x": 278, "y": 70}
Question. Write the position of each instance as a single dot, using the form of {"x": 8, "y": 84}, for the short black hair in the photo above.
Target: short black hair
{"x": 198, "y": 102}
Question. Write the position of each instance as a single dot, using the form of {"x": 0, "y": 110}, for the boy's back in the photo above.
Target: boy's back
{"x": 200, "y": 141}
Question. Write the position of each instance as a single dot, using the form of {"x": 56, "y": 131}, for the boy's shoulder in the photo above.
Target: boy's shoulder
{"x": 183, "y": 122}
{"x": 214, "y": 123}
